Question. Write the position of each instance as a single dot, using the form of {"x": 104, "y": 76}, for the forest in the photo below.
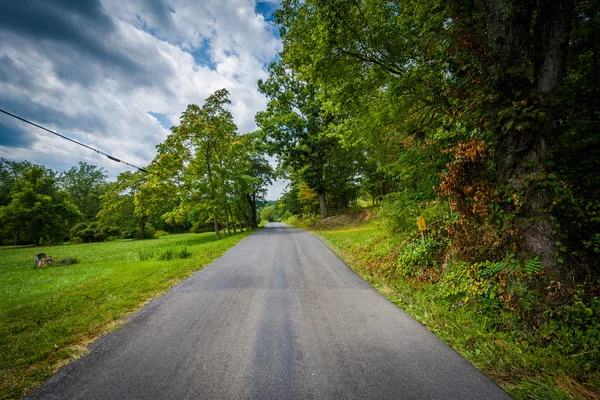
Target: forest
{"x": 205, "y": 177}
{"x": 482, "y": 117}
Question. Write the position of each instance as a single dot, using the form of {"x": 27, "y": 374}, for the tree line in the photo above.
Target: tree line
{"x": 206, "y": 176}
{"x": 484, "y": 110}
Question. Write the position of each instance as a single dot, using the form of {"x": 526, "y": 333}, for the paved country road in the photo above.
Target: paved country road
{"x": 279, "y": 316}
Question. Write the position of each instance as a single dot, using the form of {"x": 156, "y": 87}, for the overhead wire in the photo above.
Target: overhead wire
{"x": 74, "y": 141}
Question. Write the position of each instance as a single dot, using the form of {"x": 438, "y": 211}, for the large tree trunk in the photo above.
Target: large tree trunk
{"x": 213, "y": 193}
{"x": 521, "y": 155}
{"x": 321, "y": 192}
{"x": 143, "y": 221}
{"x": 253, "y": 208}
{"x": 323, "y": 204}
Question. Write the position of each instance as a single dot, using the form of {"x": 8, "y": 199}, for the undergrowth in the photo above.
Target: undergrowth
{"x": 535, "y": 337}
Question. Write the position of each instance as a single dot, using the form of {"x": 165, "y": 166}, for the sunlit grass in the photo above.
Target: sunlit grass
{"x": 48, "y": 315}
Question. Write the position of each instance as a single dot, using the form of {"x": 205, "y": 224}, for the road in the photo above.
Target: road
{"x": 279, "y": 316}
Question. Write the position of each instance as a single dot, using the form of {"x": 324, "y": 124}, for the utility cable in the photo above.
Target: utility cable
{"x": 74, "y": 141}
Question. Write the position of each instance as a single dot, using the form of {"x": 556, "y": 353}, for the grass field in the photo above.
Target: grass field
{"x": 48, "y": 316}
{"x": 509, "y": 356}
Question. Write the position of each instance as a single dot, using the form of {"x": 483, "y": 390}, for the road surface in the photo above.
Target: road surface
{"x": 279, "y": 316}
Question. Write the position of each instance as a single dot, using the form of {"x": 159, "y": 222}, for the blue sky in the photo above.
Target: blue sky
{"x": 116, "y": 75}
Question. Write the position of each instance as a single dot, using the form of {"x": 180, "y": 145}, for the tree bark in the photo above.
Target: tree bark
{"x": 521, "y": 155}
{"x": 214, "y": 196}
{"x": 323, "y": 204}
{"x": 321, "y": 191}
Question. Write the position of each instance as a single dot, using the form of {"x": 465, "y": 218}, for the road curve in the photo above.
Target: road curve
{"x": 279, "y": 316}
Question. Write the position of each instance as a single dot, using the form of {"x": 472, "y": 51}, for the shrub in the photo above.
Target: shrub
{"x": 417, "y": 256}
{"x": 149, "y": 232}
{"x": 201, "y": 227}
{"x": 77, "y": 231}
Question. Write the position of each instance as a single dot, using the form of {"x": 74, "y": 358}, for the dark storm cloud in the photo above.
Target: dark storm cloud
{"x": 44, "y": 115}
{"x": 12, "y": 135}
{"x": 11, "y": 73}
{"x": 161, "y": 16}
{"x": 82, "y": 25}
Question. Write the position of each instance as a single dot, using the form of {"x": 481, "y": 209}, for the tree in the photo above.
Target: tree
{"x": 297, "y": 130}
{"x": 85, "y": 184}
{"x": 449, "y": 72}
{"x": 212, "y": 171}
{"x": 38, "y": 208}
{"x": 9, "y": 171}
{"x": 120, "y": 209}
{"x": 269, "y": 214}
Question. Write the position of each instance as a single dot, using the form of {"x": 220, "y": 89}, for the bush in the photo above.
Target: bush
{"x": 401, "y": 212}
{"x": 149, "y": 232}
{"x": 286, "y": 215}
{"x": 201, "y": 227}
{"x": 417, "y": 256}
{"x": 77, "y": 231}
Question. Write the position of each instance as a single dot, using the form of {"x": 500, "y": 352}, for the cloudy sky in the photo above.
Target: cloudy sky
{"x": 117, "y": 74}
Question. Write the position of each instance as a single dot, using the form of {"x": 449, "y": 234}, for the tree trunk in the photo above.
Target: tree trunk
{"x": 521, "y": 155}
{"x": 227, "y": 222}
{"x": 321, "y": 191}
{"x": 214, "y": 196}
{"x": 143, "y": 227}
{"x": 322, "y": 204}
{"x": 253, "y": 211}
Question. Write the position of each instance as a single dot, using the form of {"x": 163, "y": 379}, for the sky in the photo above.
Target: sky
{"x": 116, "y": 75}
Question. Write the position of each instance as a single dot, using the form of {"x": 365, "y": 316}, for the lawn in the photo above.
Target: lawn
{"x": 48, "y": 316}
{"x": 511, "y": 357}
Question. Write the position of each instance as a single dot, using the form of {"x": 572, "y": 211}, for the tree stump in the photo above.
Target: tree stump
{"x": 42, "y": 259}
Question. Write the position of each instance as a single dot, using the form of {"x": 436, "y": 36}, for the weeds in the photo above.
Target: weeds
{"x": 173, "y": 251}
{"x": 529, "y": 335}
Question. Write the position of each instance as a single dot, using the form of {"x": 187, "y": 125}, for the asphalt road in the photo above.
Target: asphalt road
{"x": 279, "y": 316}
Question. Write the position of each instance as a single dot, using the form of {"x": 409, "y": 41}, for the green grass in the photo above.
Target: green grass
{"x": 49, "y": 315}
{"x": 509, "y": 356}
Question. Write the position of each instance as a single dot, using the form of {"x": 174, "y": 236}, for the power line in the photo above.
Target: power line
{"x": 74, "y": 141}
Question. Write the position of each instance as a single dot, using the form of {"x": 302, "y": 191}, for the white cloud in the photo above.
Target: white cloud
{"x": 143, "y": 63}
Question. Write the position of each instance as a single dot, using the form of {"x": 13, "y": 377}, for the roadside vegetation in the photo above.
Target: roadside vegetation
{"x": 49, "y": 315}
{"x": 556, "y": 359}
{"x": 480, "y": 120}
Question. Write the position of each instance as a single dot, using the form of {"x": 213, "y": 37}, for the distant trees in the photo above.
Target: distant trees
{"x": 84, "y": 184}
{"x": 35, "y": 208}
{"x": 204, "y": 172}
{"x": 298, "y": 129}
{"x": 269, "y": 214}
{"x": 214, "y": 173}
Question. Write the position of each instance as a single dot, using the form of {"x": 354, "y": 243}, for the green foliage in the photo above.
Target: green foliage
{"x": 401, "y": 210}
{"x": 38, "y": 210}
{"x": 84, "y": 232}
{"x": 573, "y": 329}
{"x": 417, "y": 256}
{"x": 172, "y": 251}
{"x": 84, "y": 184}
{"x": 269, "y": 214}
{"x": 205, "y": 171}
